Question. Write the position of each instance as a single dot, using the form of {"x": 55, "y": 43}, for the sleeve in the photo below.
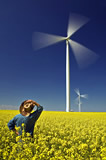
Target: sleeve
{"x": 40, "y": 108}
{"x": 35, "y": 115}
{"x": 11, "y": 124}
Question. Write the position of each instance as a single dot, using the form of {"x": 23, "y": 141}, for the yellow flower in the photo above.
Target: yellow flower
{"x": 57, "y": 136}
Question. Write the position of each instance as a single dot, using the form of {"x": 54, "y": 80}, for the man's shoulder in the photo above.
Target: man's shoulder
{"x": 18, "y": 115}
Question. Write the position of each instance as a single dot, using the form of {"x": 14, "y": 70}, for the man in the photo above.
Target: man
{"x": 26, "y": 117}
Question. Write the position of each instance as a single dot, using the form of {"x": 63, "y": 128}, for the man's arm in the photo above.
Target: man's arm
{"x": 39, "y": 108}
{"x": 11, "y": 125}
{"x": 37, "y": 113}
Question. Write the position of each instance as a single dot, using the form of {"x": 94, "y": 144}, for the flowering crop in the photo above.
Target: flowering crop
{"x": 57, "y": 136}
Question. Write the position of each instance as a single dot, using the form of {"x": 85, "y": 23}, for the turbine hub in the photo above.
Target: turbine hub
{"x": 67, "y": 39}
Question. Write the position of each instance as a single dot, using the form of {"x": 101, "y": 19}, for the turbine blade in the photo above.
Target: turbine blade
{"x": 77, "y": 91}
{"x": 83, "y": 55}
{"x": 84, "y": 96}
{"x": 75, "y": 23}
{"x": 42, "y": 40}
{"x": 77, "y": 100}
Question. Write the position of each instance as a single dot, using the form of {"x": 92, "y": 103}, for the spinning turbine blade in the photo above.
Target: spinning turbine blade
{"x": 75, "y": 23}
{"x": 42, "y": 40}
{"x": 77, "y": 91}
{"x": 76, "y": 100}
{"x": 83, "y": 55}
{"x": 84, "y": 96}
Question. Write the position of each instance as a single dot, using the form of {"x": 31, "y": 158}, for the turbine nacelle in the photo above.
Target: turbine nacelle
{"x": 68, "y": 38}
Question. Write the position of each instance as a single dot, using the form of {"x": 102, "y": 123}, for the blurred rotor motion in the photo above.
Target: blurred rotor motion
{"x": 83, "y": 55}
{"x": 75, "y": 22}
{"x": 78, "y": 99}
{"x": 42, "y": 40}
{"x": 77, "y": 91}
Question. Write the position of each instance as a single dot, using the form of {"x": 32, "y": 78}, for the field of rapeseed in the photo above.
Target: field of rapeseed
{"x": 57, "y": 136}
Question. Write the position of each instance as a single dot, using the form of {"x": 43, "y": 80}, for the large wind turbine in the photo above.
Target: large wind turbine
{"x": 83, "y": 55}
{"x": 79, "y": 98}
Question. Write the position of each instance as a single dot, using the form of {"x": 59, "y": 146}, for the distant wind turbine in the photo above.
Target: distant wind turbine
{"x": 83, "y": 55}
{"x": 79, "y": 98}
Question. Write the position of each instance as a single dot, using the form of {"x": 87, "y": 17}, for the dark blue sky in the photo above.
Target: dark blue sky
{"x": 40, "y": 75}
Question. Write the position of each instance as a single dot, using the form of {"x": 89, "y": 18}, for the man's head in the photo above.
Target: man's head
{"x": 26, "y": 107}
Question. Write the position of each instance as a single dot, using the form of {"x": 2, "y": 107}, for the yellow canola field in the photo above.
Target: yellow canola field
{"x": 57, "y": 136}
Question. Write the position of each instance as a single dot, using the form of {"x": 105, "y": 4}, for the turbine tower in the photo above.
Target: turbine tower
{"x": 83, "y": 55}
{"x": 79, "y": 98}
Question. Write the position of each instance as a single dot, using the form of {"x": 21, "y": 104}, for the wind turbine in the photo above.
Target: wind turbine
{"x": 83, "y": 55}
{"x": 79, "y": 98}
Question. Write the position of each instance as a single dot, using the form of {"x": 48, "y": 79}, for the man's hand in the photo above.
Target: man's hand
{"x": 16, "y": 131}
{"x": 29, "y": 101}
{"x": 33, "y": 102}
